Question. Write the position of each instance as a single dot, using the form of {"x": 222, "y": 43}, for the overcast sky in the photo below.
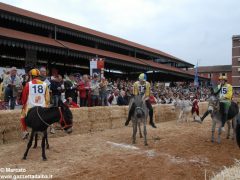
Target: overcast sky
{"x": 188, "y": 29}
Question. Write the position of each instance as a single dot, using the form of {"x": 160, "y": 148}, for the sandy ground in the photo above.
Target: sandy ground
{"x": 175, "y": 151}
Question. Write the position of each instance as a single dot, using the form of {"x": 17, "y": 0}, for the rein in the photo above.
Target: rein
{"x": 62, "y": 120}
{"x": 41, "y": 118}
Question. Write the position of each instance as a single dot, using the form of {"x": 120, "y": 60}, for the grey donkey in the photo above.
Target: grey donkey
{"x": 216, "y": 115}
{"x": 139, "y": 116}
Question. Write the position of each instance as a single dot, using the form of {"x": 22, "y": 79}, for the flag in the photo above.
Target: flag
{"x": 98, "y": 64}
{"x": 196, "y": 83}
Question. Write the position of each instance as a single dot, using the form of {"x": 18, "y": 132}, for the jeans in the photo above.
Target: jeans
{"x": 103, "y": 98}
{"x": 94, "y": 99}
{"x": 8, "y": 96}
{"x": 56, "y": 99}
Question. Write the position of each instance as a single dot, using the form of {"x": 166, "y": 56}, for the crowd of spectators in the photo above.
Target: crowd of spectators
{"x": 85, "y": 90}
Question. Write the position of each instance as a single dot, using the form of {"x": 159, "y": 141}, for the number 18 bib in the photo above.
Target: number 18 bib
{"x": 36, "y": 94}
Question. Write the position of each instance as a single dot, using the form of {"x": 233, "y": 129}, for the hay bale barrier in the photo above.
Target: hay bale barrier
{"x": 232, "y": 172}
{"x": 86, "y": 120}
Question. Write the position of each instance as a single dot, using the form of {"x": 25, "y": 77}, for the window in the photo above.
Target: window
{"x": 223, "y": 74}
{"x": 210, "y": 75}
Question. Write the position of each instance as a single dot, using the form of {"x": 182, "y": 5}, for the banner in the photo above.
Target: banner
{"x": 196, "y": 83}
{"x": 97, "y": 66}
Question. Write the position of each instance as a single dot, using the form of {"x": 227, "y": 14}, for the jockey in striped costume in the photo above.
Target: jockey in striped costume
{"x": 142, "y": 87}
{"x": 35, "y": 93}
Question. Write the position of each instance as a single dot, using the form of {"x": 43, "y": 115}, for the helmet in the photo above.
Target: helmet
{"x": 34, "y": 72}
{"x": 141, "y": 77}
{"x": 222, "y": 78}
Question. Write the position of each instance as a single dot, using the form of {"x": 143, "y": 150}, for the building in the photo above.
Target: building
{"x": 28, "y": 38}
{"x": 213, "y": 73}
{"x": 236, "y": 61}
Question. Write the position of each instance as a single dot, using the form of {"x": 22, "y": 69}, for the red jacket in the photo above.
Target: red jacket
{"x": 83, "y": 88}
{"x": 152, "y": 99}
{"x": 72, "y": 105}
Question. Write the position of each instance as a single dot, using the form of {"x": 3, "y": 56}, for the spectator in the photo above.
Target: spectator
{"x": 83, "y": 88}
{"x": 113, "y": 97}
{"x": 56, "y": 88}
{"x": 1, "y": 90}
{"x": 152, "y": 99}
{"x": 121, "y": 100}
{"x": 94, "y": 90}
{"x": 70, "y": 103}
{"x": 103, "y": 91}
{"x": 11, "y": 84}
{"x": 71, "y": 88}
{"x": 43, "y": 76}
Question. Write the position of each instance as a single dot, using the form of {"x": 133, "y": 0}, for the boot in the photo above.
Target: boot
{"x": 224, "y": 119}
{"x": 25, "y": 135}
{"x": 204, "y": 116}
{"x": 127, "y": 121}
{"x": 130, "y": 113}
{"x": 151, "y": 118}
{"x": 152, "y": 124}
{"x": 52, "y": 130}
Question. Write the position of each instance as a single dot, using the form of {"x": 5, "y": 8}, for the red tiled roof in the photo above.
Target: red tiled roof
{"x": 9, "y": 33}
{"x": 12, "y": 34}
{"x": 86, "y": 49}
{"x": 40, "y": 17}
{"x": 167, "y": 68}
{"x": 220, "y": 68}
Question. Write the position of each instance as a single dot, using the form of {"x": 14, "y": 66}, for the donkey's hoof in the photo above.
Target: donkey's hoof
{"x": 24, "y": 158}
{"x": 212, "y": 140}
{"x": 227, "y": 137}
{"x": 44, "y": 159}
{"x": 47, "y": 147}
{"x": 141, "y": 136}
{"x": 146, "y": 144}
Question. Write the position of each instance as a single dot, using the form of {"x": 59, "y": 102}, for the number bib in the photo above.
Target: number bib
{"x": 223, "y": 91}
{"x": 142, "y": 89}
{"x": 36, "y": 95}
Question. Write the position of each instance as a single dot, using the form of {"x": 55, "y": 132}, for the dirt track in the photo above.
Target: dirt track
{"x": 182, "y": 151}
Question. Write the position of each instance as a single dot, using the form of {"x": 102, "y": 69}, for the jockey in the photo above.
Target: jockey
{"x": 195, "y": 107}
{"x": 35, "y": 93}
{"x": 225, "y": 95}
{"x": 142, "y": 87}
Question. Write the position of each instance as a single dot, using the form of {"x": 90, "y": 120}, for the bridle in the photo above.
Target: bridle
{"x": 141, "y": 109}
{"x": 62, "y": 120}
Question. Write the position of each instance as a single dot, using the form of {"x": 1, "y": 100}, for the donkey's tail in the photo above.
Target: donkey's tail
{"x": 238, "y": 130}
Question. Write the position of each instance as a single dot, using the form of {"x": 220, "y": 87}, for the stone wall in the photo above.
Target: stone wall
{"x": 86, "y": 120}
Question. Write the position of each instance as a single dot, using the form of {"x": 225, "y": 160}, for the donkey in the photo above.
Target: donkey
{"x": 140, "y": 115}
{"x": 216, "y": 116}
{"x": 238, "y": 130}
{"x": 39, "y": 119}
{"x": 185, "y": 108}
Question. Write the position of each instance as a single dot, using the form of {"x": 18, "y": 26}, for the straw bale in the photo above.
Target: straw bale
{"x": 117, "y": 122}
{"x": 119, "y": 111}
{"x": 155, "y": 113}
{"x": 203, "y": 107}
{"x": 99, "y": 114}
{"x": 82, "y": 127}
{"x": 100, "y": 126}
{"x": 80, "y": 115}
